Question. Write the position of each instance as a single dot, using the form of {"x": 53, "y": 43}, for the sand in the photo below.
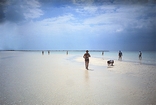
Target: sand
{"x": 59, "y": 79}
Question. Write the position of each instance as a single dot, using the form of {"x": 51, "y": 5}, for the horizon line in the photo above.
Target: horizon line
{"x": 61, "y": 50}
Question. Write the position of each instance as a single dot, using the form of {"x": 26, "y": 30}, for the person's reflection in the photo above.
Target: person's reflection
{"x": 86, "y": 76}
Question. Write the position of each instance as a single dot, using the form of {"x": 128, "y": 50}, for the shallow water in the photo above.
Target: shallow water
{"x": 148, "y": 57}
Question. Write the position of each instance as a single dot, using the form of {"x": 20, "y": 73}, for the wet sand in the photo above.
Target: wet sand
{"x": 58, "y": 79}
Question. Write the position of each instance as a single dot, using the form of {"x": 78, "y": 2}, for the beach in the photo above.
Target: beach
{"x": 30, "y": 78}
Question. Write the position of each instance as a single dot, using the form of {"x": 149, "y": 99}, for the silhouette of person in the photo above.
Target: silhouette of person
{"x": 140, "y": 55}
{"x": 86, "y": 57}
{"x": 42, "y": 52}
{"x": 67, "y": 52}
{"x": 120, "y": 55}
{"x": 48, "y": 52}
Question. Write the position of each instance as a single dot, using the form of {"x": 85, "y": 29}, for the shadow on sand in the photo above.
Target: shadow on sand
{"x": 110, "y": 66}
{"x": 90, "y": 69}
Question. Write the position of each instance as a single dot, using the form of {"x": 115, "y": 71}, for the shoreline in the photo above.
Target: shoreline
{"x": 122, "y": 67}
{"x": 105, "y": 59}
{"x": 107, "y": 56}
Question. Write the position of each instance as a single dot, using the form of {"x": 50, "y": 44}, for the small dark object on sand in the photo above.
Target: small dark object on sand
{"x": 110, "y": 62}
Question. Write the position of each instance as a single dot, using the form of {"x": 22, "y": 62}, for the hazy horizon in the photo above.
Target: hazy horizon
{"x": 81, "y": 50}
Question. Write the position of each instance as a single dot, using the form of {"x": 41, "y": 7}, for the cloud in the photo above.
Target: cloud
{"x": 59, "y": 20}
{"x": 105, "y": 19}
{"x": 121, "y": 18}
{"x": 133, "y": 2}
{"x": 32, "y": 9}
{"x": 17, "y": 10}
{"x": 82, "y": 2}
{"x": 105, "y": 2}
{"x": 119, "y": 30}
{"x": 87, "y": 10}
{"x": 60, "y": 3}
{"x": 64, "y": 23}
{"x": 3, "y": 3}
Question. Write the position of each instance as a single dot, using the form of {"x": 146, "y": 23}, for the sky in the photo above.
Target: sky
{"x": 78, "y": 25}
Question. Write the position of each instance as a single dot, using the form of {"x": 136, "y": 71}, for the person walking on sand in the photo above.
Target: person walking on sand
{"x": 86, "y": 57}
{"x": 140, "y": 55}
{"x": 120, "y": 55}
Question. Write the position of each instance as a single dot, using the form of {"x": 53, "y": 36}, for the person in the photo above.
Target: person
{"x": 140, "y": 55}
{"x": 42, "y": 52}
{"x": 110, "y": 62}
{"x": 67, "y": 52}
{"x": 120, "y": 55}
{"x": 48, "y": 52}
{"x": 86, "y": 57}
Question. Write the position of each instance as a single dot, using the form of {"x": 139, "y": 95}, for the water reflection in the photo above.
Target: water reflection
{"x": 86, "y": 76}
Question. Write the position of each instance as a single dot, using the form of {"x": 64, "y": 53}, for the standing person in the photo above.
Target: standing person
{"x": 120, "y": 55}
{"x": 48, "y": 52}
{"x": 67, "y": 52}
{"x": 140, "y": 55}
{"x": 42, "y": 52}
{"x": 86, "y": 57}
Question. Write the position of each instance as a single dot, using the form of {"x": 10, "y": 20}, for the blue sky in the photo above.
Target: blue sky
{"x": 78, "y": 24}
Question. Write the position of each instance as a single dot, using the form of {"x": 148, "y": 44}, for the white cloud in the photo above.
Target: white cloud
{"x": 119, "y": 30}
{"x": 32, "y": 9}
{"x": 90, "y": 9}
{"x": 86, "y": 2}
{"x": 58, "y": 20}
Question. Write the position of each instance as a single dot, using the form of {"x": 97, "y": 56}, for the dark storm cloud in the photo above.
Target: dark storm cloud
{"x": 3, "y": 4}
{"x": 10, "y": 11}
{"x": 19, "y": 10}
{"x": 1, "y": 14}
{"x": 56, "y": 1}
{"x": 14, "y": 13}
{"x": 75, "y": 2}
{"x": 127, "y": 2}
{"x": 63, "y": 2}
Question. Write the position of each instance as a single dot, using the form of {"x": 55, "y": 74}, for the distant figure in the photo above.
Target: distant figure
{"x": 110, "y": 62}
{"x": 140, "y": 55}
{"x": 86, "y": 57}
{"x": 42, "y": 52}
{"x": 120, "y": 55}
{"x": 48, "y": 52}
{"x": 67, "y": 53}
{"x": 102, "y": 53}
